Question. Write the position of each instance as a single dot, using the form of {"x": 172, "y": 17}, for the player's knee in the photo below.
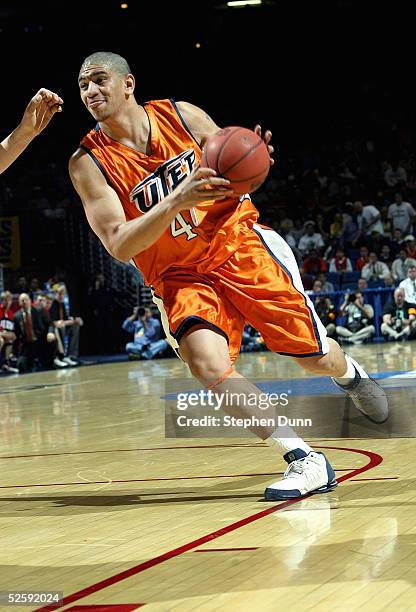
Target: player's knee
{"x": 207, "y": 368}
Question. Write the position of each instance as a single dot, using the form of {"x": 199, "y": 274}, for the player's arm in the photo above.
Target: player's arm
{"x": 125, "y": 239}
{"x": 36, "y": 117}
{"x": 201, "y": 125}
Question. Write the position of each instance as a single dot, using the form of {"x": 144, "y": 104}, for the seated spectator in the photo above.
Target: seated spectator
{"x": 336, "y": 229}
{"x": 43, "y": 302}
{"x": 409, "y": 285}
{"x": 7, "y": 335}
{"x": 340, "y": 263}
{"x": 66, "y": 329}
{"x": 327, "y": 287}
{"x": 399, "y": 318}
{"x": 147, "y": 341}
{"x": 316, "y": 287}
{"x": 385, "y": 255}
{"x": 251, "y": 340}
{"x": 362, "y": 284}
{"x": 310, "y": 240}
{"x": 363, "y": 258}
{"x": 400, "y": 266}
{"x": 358, "y": 315}
{"x": 327, "y": 313}
{"x": 397, "y": 241}
{"x": 35, "y": 336}
{"x": 313, "y": 263}
{"x": 374, "y": 270}
{"x": 410, "y": 246}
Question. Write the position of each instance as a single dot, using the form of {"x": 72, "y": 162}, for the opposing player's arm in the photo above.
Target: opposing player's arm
{"x": 125, "y": 239}
{"x": 36, "y": 117}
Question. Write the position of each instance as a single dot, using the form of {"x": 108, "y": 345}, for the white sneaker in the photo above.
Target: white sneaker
{"x": 70, "y": 361}
{"x": 59, "y": 364}
{"x": 305, "y": 474}
{"x": 10, "y": 369}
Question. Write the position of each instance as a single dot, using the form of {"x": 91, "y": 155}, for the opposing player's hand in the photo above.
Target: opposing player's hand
{"x": 267, "y": 138}
{"x": 202, "y": 185}
{"x": 40, "y": 111}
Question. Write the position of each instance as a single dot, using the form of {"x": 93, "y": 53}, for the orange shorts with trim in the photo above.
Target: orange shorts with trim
{"x": 260, "y": 283}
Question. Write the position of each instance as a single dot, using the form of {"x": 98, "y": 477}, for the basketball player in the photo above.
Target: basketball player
{"x": 36, "y": 117}
{"x": 211, "y": 266}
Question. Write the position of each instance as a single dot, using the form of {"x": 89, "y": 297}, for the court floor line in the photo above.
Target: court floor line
{"x": 133, "y": 450}
{"x": 158, "y": 448}
{"x": 374, "y": 460}
{"x": 88, "y": 482}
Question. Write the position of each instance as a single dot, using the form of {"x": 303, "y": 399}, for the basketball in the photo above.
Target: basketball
{"x": 239, "y": 155}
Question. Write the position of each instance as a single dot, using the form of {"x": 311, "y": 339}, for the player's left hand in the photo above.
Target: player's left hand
{"x": 267, "y": 138}
{"x": 40, "y": 111}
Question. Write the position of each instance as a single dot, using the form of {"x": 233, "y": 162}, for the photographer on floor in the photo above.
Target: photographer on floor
{"x": 399, "y": 318}
{"x": 148, "y": 341}
{"x": 358, "y": 315}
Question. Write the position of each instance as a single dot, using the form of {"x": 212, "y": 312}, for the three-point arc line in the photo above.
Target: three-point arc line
{"x": 374, "y": 460}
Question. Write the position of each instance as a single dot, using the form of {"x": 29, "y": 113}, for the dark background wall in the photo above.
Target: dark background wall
{"x": 318, "y": 74}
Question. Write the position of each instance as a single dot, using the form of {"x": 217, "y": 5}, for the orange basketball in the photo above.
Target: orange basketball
{"x": 239, "y": 155}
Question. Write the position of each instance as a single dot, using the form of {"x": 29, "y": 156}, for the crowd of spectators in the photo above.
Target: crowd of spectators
{"x": 36, "y": 329}
{"x": 348, "y": 213}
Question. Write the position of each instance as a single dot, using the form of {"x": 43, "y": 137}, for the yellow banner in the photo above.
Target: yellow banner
{"x": 9, "y": 242}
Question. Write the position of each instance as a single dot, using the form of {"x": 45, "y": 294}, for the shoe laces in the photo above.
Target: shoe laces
{"x": 296, "y": 467}
{"x": 300, "y": 467}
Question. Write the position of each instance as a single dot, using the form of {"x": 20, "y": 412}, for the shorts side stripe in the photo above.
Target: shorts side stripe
{"x": 319, "y": 329}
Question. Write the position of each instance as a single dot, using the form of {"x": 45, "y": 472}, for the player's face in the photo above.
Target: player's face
{"x": 101, "y": 90}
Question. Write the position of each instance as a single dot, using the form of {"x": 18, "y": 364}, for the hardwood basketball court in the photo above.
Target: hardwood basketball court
{"x": 96, "y": 502}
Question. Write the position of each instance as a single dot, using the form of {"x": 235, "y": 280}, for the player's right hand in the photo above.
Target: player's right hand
{"x": 202, "y": 185}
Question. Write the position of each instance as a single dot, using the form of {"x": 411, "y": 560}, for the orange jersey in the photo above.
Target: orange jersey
{"x": 201, "y": 239}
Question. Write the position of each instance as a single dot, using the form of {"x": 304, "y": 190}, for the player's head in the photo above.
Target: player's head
{"x": 105, "y": 83}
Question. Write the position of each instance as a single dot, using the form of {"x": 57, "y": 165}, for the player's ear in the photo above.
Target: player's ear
{"x": 130, "y": 83}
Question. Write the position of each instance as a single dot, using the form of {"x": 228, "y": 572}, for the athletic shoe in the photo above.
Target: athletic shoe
{"x": 59, "y": 363}
{"x": 10, "y": 369}
{"x": 70, "y": 361}
{"x": 368, "y": 397}
{"x": 306, "y": 473}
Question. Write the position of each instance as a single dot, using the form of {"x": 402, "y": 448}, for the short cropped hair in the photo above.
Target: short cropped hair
{"x": 112, "y": 60}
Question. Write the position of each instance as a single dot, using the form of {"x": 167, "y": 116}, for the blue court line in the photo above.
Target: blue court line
{"x": 320, "y": 385}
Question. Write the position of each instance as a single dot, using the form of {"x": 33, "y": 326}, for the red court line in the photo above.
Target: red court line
{"x": 107, "y": 608}
{"x": 65, "y": 484}
{"x": 374, "y": 460}
{"x": 133, "y": 450}
{"x": 381, "y": 478}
